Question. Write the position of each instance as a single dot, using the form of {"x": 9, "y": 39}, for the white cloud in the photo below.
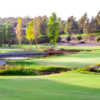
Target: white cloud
{"x": 63, "y": 8}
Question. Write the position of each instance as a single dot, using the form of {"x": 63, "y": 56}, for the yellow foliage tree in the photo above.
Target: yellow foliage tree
{"x": 19, "y": 30}
{"x": 30, "y": 31}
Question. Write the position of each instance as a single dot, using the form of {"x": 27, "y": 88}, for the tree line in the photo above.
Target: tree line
{"x": 44, "y": 28}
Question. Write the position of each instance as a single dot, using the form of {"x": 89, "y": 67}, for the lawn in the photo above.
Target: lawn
{"x": 81, "y": 59}
{"x": 65, "y": 86}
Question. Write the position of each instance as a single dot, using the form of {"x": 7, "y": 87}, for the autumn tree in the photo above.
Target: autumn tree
{"x": 53, "y": 29}
{"x": 19, "y": 30}
{"x": 30, "y": 31}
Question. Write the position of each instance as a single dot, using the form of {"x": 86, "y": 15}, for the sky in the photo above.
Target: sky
{"x": 63, "y": 8}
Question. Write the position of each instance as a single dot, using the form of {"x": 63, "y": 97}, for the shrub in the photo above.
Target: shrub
{"x": 68, "y": 38}
{"x": 98, "y": 39}
{"x": 79, "y": 37}
{"x": 59, "y": 39}
{"x": 9, "y": 70}
{"x": 93, "y": 68}
{"x": 41, "y": 70}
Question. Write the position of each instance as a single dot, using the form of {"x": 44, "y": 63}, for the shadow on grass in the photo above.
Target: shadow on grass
{"x": 41, "y": 89}
{"x": 22, "y": 62}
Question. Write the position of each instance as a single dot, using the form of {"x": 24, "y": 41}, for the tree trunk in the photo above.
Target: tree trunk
{"x": 36, "y": 42}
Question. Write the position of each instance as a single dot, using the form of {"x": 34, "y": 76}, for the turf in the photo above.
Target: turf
{"x": 65, "y": 86}
{"x": 84, "y": 58}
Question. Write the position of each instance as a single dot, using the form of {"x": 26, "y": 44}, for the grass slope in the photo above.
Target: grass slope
{"x": 65, "y": 86}
{"x": 68, "y": 60}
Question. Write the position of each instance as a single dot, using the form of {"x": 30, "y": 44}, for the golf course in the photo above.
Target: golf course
{"x": 62, "y": 86}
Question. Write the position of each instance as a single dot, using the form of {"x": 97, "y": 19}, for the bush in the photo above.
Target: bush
{"x": 68, "y": 38}
{"x": 79, "y": 37}
{"x": 59, "y": 39}
{"x": 93, "y": 68}
{"x": 9, "y": 70}
{"x": 98, "y": 39}
{"x": 84, "y": 35}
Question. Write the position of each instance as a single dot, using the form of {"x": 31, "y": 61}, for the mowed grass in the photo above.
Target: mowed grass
{"x": 65, "y": 86}
{"x": 9, "y": 50}
{"x": 81, "y": 59}
{"x": 73, "y": 60}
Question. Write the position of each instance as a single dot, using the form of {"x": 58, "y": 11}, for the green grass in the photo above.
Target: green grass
{"x": 81, "y": 59}
{"x": 73, "y": 60}
{"x": 65, "y": 86}
{"x": 75, "y": 35}
{"x": 9, "y": 50}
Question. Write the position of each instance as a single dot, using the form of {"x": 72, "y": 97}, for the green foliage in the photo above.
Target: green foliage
{"x": 79, "y": 37}
{"x": 26, "y": 70}
{"x": 66, "y": 29}
{"x": 2, "y": 35}
{"x": 10, "y": 70}
{"x": 8, "y": 33}
{"x": 53, "y": 28}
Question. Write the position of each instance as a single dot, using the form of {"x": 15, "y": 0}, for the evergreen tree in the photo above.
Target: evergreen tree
{"x": 53, "y": 29}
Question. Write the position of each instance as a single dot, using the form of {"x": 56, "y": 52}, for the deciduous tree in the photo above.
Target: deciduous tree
{"x": 30, "y": 32}
{"x": 19, "y": 30}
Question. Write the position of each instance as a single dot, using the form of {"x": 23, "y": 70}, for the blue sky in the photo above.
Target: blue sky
{"x": 63, "y": 8}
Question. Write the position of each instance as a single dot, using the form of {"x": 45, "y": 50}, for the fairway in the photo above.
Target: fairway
{"x": 89, "y": 56}
{"x": 65, "y": 86}
{"x": 81, "y": 59}
{"x": 62, "y": 86}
